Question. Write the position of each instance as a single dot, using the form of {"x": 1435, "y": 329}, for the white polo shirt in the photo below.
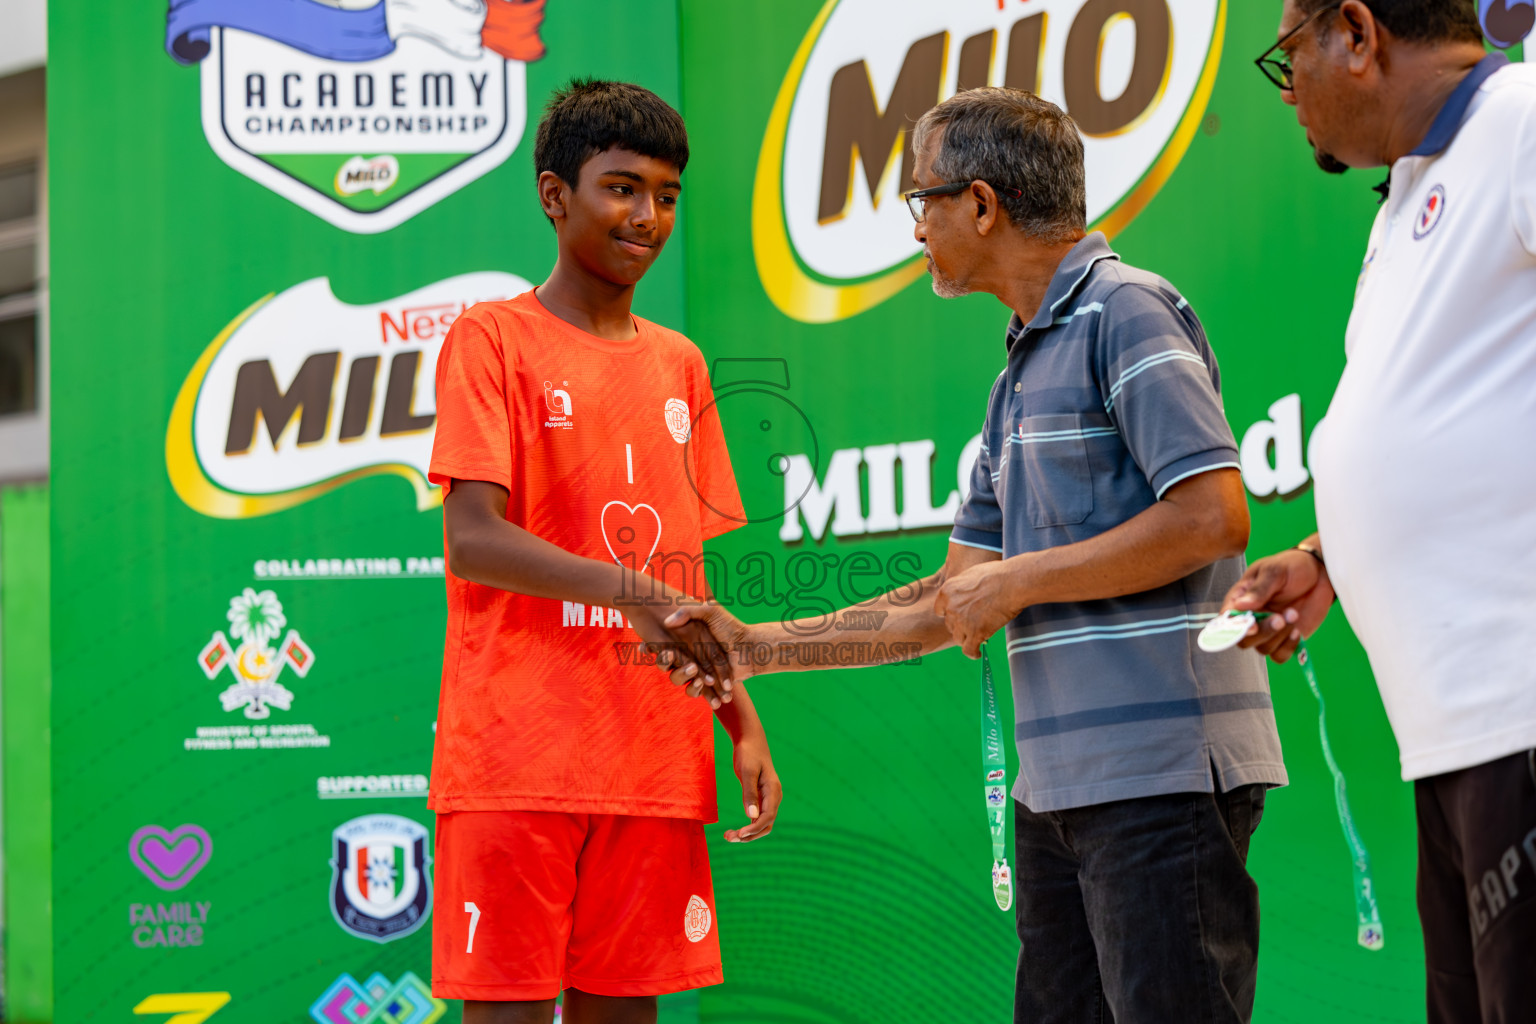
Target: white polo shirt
{"x": 1425, "y": 465}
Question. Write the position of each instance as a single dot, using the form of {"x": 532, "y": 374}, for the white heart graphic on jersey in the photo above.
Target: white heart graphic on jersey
{"x": 636, "y": 526}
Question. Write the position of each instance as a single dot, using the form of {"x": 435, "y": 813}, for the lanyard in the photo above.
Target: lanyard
{"x": 1368, "y": 917}
{"x": 1225, "y": 632}
{"x": 995, "y": 785}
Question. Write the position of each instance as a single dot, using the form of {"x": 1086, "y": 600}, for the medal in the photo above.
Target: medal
{"x": 1002, "y": 885}
{"x": 1225, "y": 631}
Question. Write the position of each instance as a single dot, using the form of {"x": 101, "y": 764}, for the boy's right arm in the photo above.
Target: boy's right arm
{"x": 484, "y": 548}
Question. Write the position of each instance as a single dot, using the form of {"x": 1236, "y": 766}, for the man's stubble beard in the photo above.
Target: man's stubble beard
{"x": 944, "y": 287}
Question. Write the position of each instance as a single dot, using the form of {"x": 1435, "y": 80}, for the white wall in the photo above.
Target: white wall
{"x": 23, "y": 37}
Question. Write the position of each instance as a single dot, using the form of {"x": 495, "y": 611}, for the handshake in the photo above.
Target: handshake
{"x": 706, "y": 649}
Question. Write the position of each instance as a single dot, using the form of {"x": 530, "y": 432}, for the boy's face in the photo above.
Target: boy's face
{"x": 620, "y": 214}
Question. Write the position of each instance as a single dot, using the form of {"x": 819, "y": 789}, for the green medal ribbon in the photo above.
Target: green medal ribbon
{"x": 1369, "y": 931}
{"x": 995, "y": 785}
{"x": 1225, "y": 632}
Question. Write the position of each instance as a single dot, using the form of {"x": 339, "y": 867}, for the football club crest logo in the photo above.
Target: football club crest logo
{"x": 254, "y": 656}
{"x": 380, "y": 888}
{"x": 1431, "y": 212}
{"x": 364, "y": 112}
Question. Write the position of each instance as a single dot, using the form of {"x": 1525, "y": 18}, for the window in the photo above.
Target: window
{"x": 18, "y": 289}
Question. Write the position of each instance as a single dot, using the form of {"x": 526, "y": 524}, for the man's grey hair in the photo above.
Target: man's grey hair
{"x": 1013, "y": 139}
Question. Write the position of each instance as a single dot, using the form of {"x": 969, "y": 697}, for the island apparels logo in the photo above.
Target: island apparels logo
{"x": 380, "y": 888}
{"x": 363, "y": 112}
{"x": 254, "y": 656}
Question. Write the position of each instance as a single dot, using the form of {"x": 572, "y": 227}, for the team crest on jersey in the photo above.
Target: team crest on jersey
{"x": 675, "y": 412}
{"x": 1430, "y": 213}
{"x": 380, "y": 886}
{"x": 363, "y": 112}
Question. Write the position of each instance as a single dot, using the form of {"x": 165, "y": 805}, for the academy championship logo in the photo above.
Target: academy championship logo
{"x": 364, "y": 112}
{"x": 302, "y": 393}
{"x": 829, "y": 232}
{"x": 380, "y": 885}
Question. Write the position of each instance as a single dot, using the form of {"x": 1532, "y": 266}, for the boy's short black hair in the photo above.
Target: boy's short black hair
{"x": 589, "y": 116}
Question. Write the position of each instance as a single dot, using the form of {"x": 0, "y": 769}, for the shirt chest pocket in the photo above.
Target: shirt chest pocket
{"x": 1053, "y": 454}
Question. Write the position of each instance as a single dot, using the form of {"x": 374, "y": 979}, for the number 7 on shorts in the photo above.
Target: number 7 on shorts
{"x": 474, "y": 922}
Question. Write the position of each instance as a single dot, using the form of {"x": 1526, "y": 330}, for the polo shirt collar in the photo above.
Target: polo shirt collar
{"x": 1068, "y": 279}
{"x": 1448, "y": 122}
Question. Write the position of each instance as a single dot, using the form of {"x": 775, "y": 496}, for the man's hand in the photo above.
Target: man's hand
{"x": 978, "y": 602}
{"x": 760, "y": 788}
{"x": 688, "y": 646}
{"x": 1294, "y": 588}
{"x": 721, "y": 633}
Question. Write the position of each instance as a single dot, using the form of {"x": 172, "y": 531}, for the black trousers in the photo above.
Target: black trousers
{"x": 1138, "y": 911}
{"x": 1477, "y": 891}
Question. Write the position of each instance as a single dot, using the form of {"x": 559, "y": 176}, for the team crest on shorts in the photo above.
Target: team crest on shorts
{"x": 1430, "y": 213}
{"x": 380, "y": 888}
{"x": 697, "y": 919}
{"x": 363, "y": 112}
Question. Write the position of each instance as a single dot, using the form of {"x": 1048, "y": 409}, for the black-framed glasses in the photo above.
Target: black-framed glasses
{"x": 1279, "y": 70}
{"x": 915, "y": 199}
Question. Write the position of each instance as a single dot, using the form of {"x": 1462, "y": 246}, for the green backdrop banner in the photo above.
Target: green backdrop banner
{"x": 261, "y": 230}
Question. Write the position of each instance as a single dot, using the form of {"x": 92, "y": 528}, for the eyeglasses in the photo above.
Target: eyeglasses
{"x": 919, "y": 209}
{"x": 1279, "y": 71}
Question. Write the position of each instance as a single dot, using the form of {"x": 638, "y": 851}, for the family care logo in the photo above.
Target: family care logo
{"x": 379, "y": 883}
{"x": 169, "y": 860}
{"x": 302, "y": 393}
{"x": 830, "y": 234}
{"x": 255, "y": 623}
{"x": 364, "y": 112}
{"x": 378, "y": 1001}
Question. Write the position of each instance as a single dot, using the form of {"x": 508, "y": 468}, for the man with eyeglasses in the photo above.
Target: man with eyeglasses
{"x": 1106, "y": 518}
{"x": 1425, "y": 468}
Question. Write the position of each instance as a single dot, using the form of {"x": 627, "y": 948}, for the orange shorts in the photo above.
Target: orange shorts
{"x": 532, "y": 902}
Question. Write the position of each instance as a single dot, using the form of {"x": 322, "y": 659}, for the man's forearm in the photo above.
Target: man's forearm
{"x": 897, "y": 626}
{"x": 1161, "y": 544}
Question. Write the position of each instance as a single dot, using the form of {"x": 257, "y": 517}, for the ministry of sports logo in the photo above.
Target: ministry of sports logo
{"x": 380, "y": 887}
{"x": 364, "y": 112}
{"x": 254, "y": 656}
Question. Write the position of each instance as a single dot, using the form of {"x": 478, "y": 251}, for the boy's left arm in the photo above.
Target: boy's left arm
{"x": 760, "y": 788}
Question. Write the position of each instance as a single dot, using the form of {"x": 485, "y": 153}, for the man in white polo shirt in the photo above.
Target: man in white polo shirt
{"x": 1425, "y": 464}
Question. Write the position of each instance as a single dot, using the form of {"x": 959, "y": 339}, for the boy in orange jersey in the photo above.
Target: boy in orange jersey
{"x": 579, "y": 447}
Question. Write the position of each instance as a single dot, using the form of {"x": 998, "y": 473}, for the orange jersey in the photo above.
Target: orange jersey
{"x": 611, "y": 450}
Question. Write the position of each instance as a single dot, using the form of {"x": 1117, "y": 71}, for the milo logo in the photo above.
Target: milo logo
{"x": 829, "y": 232}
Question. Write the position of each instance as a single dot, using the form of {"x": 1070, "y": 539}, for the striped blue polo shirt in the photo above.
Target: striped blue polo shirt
{"x": 1110, "y": 397}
